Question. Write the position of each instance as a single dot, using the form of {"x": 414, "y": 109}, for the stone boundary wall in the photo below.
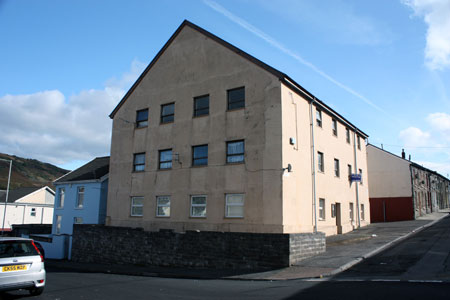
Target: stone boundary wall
{"x": 205, "y": 249}
{"x": 305, "y": 245}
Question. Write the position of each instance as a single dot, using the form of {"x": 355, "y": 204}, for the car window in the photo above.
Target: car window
{"x": 17, "y": 248}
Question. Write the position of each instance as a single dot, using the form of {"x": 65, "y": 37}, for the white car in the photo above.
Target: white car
{"x": 21, "y": 266}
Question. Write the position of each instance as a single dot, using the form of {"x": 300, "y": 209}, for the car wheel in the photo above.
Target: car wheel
{"x": 36, "y": 291}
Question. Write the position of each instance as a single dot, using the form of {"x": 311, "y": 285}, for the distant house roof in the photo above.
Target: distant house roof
{"x": 19, "y": 193}
{"x": 409, "y": 161}
{"x": 95, "y": 169}
{"x": 281, "y": 76}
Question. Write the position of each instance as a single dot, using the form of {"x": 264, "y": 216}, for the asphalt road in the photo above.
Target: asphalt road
{"x": 417, "y": 268}
{"x": 424, "y": 256}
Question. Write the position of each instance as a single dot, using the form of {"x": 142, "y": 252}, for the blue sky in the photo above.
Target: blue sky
{"x": 384, "y": 65}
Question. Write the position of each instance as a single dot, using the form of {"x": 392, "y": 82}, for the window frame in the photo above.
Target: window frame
{"x": 58, "y": 224}
{"x": 80, "y": 204}
{"x": 349, "y": 170}
{"x": 361, "y": 173}
{"x": 76, "y": 220}
{"x": 319, "y": 118}
{"x": 239, "y": 101}
{"x": 333, "y": 210}
{"x": 33, "y": 212}
{"x": 163, "y": 116}
{"x": 133, "y": 205}
{"x": 334, "y": 127}
{"x": 136, "y": 166}
{"x": 158, "y": 205}
{"x": 347, "y": 135}
{"x": 198, "y": 205}
{"x": 321, "y": 209}
{"x": 242, "y": 204}
{"x": 358, "y": 139}
{"x": 144, "y": 122}
{"x": 228, "y": 155}
{"x": 320, "y": 162}
{"x": 165, "y": 161}
{"x": 337, "y": 168}
{"x": 61, "y": 196}
{"x": 195, "y": 110}
{"x": 363, "y": 214}
{"x": 194, "y": 159}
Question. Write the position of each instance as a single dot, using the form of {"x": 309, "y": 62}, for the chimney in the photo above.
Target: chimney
{"x": 403, "y": 153}
{"x": 410, "y": 157}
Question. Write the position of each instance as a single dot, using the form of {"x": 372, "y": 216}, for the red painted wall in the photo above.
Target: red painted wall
{"x": 396, "y": 209}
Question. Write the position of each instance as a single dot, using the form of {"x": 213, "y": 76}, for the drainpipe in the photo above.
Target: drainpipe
{"x": 356, "y": 183}
{"x": 313, "y": 155}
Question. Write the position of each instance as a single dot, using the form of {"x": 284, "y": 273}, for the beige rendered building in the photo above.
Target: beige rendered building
{"x": 210, "y": 138}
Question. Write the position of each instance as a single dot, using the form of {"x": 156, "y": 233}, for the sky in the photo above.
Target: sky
{"x": 384, "y": 65}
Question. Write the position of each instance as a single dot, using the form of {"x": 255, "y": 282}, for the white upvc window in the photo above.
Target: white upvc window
{"x": 80, "y": 197}
{"x": 163, "y": 206}
{"x": 234, "y": 205}
{"x": 33, "y": 212}
{"x": 137, "y": 206}
{"x": 198, "y": 206}
{"x": 318, "y": 118}
{"x": 58, "y": 224}
{"x": 321, "y": 209}
{"x": 62, "y": 195}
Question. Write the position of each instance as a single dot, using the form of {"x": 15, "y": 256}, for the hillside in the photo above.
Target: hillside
{"x": 28, "y": 172}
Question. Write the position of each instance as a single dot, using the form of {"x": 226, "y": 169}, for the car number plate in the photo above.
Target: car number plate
{"x": 14, "y": 268}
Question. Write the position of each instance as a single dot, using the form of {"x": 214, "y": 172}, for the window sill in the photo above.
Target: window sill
{"x": 236, "y": 163}
{"x": 134, "y": 171}
{"x": 201, "y": 116}
{"x": 227, "y": 217}
{"x": 198, "y": 166}
{"x": 321, "y": 219}
{"x": 79, "y": 208}
{"x": 171, "y": 122}
{"x": 141, "y": 127}
{"x": 235, "y": 109}
{"x": 163, "y": 217}
{"x": 167, "y": 169}
{"x": 194, "y": 217}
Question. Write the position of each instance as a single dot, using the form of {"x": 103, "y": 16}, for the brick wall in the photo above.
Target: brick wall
{"x": 206, "y": 249}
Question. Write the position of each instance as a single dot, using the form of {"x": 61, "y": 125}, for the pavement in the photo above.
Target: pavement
{"x": 342, "y": 252}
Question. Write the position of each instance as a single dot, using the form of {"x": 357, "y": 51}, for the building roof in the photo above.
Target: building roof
{"x": 93, "y": 170}
{"x": 19, "y": 193}
{"x": 409, "y": 161}
{"x": 280, "y": 75}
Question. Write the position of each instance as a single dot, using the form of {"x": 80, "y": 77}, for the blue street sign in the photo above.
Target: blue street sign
{"x": 355, "y": 177}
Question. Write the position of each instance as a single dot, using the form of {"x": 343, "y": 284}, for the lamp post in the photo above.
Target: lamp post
{"x": 7, "y": 192}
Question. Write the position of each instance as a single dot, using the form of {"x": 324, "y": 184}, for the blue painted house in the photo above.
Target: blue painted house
{"x": 80, "y": 199}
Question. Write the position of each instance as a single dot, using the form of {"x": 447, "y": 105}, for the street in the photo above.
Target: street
{"x": 417, "y": 268}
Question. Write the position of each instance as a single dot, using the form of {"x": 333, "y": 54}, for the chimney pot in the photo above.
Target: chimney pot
{"x": 403, "y": 153}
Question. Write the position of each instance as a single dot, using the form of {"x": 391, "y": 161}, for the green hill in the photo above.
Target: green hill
{"x": 28, "y": 172}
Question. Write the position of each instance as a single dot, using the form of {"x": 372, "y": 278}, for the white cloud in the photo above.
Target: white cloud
{"x": 440, "y": 121}
{"x": 414, "y": 137}
{"x": 52, "y": 128}
{"x": 436, "y": 14}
